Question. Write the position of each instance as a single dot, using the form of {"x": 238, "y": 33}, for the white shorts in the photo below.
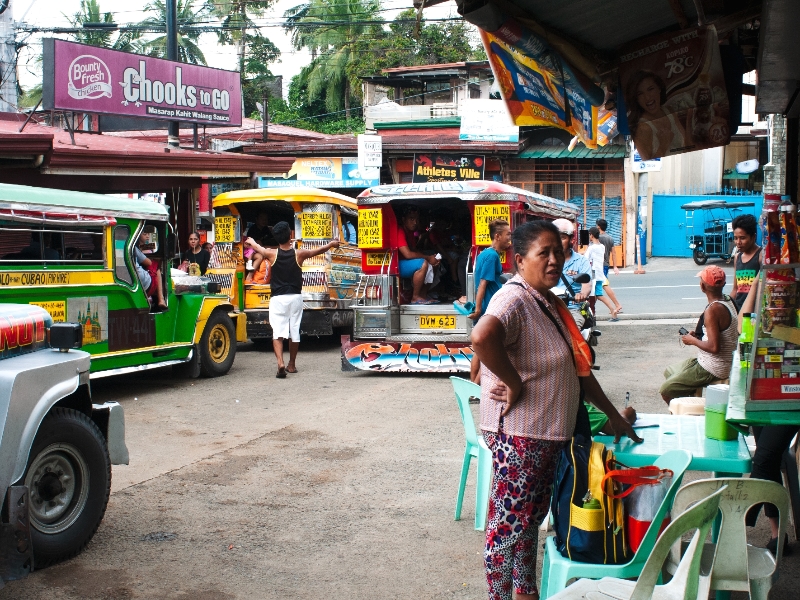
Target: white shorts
{"x": 285, "y": 314}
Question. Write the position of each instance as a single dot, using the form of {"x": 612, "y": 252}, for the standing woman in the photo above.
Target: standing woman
{"x": 195, "y": 260}
{"x": 533, "y": 369}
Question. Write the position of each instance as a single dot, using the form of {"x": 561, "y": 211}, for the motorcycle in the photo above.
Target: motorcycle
{"x": 588, "y": 330}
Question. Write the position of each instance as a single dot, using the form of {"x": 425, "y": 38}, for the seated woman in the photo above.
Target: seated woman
{"x": 149, "y": 274}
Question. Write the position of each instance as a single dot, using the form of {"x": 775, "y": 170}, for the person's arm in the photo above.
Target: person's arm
{"x": 141, "y": 258}
{"x": 612, "y": 260}
{"x": 711, "y": 344}
{"x": 304, "y": 253}
{"x": 479, "y": 294}
{"x": 488, "y": 343}
{"x": 267, "y": 253}
{"x": 409, "y": 254}
{"x": 595, "y": 394}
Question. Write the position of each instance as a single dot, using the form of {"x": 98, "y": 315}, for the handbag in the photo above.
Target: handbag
{"x": 587, "y": 507}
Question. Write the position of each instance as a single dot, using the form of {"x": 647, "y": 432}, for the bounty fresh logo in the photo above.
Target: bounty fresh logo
{"x": 89, "y": 78}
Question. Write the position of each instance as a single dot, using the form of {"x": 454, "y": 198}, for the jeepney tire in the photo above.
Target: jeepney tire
{"x": 699, "y": 256}
{"x": 69, "y": 458}
{"x": 217, "y": 345}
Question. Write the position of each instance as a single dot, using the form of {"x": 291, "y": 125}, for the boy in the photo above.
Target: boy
{"x": 488, "y": 270}
{"x": 748, "y": 258}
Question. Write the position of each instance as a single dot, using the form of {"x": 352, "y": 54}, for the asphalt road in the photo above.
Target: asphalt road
{"x": 668, "y": 289}
{"x": 325, "y": 484}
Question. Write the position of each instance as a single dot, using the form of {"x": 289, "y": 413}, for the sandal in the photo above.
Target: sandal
{"x": 288, "y": 370}
{"x": 281, "y": 373}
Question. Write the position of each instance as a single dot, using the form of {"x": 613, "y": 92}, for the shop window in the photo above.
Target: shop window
{"x": 121, "y": 269}
{"x": 24, "y": 245}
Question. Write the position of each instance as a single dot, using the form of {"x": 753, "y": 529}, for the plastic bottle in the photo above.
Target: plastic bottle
{"x": 746, "y": 340}
{"x": 593, "y": 504}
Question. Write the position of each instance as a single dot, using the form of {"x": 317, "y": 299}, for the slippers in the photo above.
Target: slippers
{"x": 281, "y": 373}
{"x": 425, "y": 302}
{"x": 288, "y": 370}
{"x": 613, "y": 320}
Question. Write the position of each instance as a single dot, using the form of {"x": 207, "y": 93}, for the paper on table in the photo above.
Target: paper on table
{"x": 642, "y": 423}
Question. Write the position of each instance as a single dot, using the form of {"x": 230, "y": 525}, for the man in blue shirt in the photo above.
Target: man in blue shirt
{"x": 488, "y": 267}
{"x": 575, "y": 264}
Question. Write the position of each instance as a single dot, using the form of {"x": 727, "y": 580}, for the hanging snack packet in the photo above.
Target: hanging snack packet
{"x": 772, "y": 245}
{"x": 788, "y": 234}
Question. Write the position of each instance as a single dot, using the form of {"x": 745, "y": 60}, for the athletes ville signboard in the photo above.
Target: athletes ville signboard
{"x": 88, "y": 79}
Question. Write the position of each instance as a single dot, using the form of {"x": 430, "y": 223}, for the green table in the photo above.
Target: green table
{"x": 687, "y": 432}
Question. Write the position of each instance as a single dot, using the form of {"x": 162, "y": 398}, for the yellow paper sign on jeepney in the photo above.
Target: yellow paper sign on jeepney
{"x": 370, "y": 228}
{"x": 317, "y": 225}
{"x": 225, "y": 229}
{"x": 377, "y": 259}
{"x": 485, "y": 214}
{"x": 56, "y": 308}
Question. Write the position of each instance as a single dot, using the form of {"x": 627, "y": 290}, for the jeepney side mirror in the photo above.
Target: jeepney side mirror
{"x": 66, "y": 336}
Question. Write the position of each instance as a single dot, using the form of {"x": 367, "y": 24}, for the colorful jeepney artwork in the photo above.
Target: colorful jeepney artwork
{"x": 92, "y": 314}
{"x": 397, "y": 357}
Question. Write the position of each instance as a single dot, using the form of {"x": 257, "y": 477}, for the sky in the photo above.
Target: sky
{"x": 51, "y": 13}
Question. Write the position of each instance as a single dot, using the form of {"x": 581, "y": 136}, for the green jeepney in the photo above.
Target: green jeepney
{"x": 72, "y": 254}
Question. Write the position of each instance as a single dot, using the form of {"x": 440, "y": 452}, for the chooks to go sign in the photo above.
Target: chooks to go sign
{"x": 97, "y": 80}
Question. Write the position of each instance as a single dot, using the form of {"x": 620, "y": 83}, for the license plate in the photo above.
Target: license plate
{"x": 437, "y": 322}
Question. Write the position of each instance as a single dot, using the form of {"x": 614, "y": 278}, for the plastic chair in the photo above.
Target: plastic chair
{"x": 558, "y": 570}
{"x": 690, "y": 581}
{"x": 739, "y": 566}
{"x": 475, "y": 447}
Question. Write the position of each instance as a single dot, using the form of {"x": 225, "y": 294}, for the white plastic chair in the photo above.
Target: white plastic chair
{"x": 690, "y": 581}
{"x": 739, "y": 566}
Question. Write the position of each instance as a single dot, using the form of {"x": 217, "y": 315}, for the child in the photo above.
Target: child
{"x": 595, "y": 254}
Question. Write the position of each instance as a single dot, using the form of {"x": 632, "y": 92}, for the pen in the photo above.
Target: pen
{"x": 627, "y": 398}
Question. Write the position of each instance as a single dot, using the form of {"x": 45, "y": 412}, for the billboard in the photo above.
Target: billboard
{"x": 324, "y": 172}
{"x": 539, "y": 87}
{"x": 485, "y": 120}
{"x": 674, "y": 92}
{"x": 88, "y": 79}
{"x": 447, "y": 167}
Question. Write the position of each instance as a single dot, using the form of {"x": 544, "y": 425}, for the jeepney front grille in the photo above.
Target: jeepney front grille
{"x": 321, "y": 260}
{"x": 224, "y": 255}
{"x": 315, "y": 279}
{"x": 225, "y": 281}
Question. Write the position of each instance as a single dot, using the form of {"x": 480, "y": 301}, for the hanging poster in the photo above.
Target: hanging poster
{"x": 674, "y": 91}
{"x": 538, "y": 86}
{"x": 447, "y": 167}
{"x": 487, "y": 120}
{"x": 325, "y": 173}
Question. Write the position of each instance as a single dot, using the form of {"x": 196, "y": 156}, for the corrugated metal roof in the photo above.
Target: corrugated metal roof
{"x": 541, "y": 151}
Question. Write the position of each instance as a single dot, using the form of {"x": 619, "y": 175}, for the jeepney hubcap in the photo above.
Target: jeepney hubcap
{"x": 219, "y": 343}
{"x": 58, "y": 483}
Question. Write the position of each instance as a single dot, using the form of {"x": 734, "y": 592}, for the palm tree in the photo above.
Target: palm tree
{"x": 90, "y": 13}
{"x": 188, "y": 35}
{"x": 237, "y": 18}
{"x": 331, "y": 30}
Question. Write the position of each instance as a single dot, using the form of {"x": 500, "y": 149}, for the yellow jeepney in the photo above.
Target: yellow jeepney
{"x": 329, "y": 280}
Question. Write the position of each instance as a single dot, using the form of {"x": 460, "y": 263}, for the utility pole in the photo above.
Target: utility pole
{"x": 265, "y": 118}
{"x": 8, "y": 64}
{"x": 173, "y": 131}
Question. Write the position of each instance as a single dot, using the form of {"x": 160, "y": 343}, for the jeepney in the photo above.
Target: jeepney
{"x": 56, "y": 446}
{"x": 329, "y": 279}
{"x": 389, "y": 334}
{"x": 72, "y": 254}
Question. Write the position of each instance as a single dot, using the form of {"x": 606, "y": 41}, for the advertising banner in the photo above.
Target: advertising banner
{"x": 447, "y": 167}
{"x": 97, "y": 80}
{"x": 538, "y": 86}
{"x": 487, "y": 120}
{"x": 674, "y": 91}
{"x": 326, "y": 173}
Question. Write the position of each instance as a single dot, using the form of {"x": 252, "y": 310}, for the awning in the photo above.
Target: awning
{"x": 546, "y": 151}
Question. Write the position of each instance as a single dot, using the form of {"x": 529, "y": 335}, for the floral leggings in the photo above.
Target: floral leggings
{"x": 524, "y": 470}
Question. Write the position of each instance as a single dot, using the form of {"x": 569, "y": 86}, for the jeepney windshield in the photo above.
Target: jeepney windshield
{"x": 25, "y": 245}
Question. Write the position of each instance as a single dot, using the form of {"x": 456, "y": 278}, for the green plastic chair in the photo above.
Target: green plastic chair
{"x": 739, "y": 566}
{"x": 477, "y": 448}
{"x": 558, "y": 570}
{"x": 690, "y": 581}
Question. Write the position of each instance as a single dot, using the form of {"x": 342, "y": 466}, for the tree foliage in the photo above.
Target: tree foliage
{"x": 90, "y": 13}
{"x": 188, "y": 38}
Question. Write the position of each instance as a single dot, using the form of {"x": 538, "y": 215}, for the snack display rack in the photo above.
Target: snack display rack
{"x": 773, "y": 376}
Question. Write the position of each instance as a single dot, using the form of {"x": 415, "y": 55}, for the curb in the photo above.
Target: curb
{"x": 651, "y": 316}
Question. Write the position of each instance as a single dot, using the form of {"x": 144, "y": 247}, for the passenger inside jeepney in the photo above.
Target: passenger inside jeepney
{"x": 443, "y": 237}
{"x": 414, "y": 264}
{"x": 149, "y": 272}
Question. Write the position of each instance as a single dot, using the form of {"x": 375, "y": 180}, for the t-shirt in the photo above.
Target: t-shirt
{"x": 141, "y": 272}
{"x": 608, "y": 244}
{"x": 488, "y": 267}
{"x": 201, "y": 259}
{"x": 745, "y": 276}
{"x": 576, "y": 265}
{"x": 406, "y": 238}
{"x": 595, "y": 254}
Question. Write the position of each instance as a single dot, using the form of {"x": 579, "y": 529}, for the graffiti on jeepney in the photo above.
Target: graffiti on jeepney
{"x": 408, "y": 357}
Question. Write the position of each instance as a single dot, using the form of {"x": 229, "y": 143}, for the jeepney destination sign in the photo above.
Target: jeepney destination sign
{"x": 88, "y": 79}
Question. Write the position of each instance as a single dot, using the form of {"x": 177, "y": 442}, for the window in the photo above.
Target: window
{"x": 24, "y": 245}
{"x": 121, "y": 269}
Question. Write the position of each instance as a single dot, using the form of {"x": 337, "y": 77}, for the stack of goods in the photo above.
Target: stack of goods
{"x": 776, "y": 358}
